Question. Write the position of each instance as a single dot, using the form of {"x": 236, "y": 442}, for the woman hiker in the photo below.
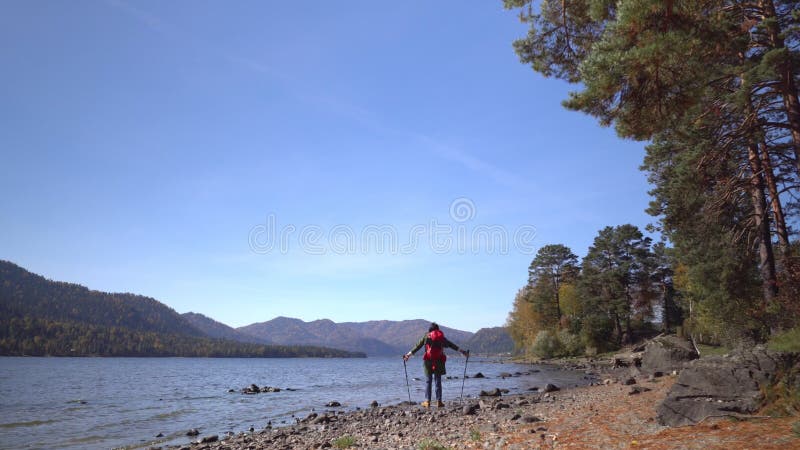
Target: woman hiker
{"x": 434, "y": 360}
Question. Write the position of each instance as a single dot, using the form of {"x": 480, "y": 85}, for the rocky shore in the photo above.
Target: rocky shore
{"x": 610, "y": 415}
{"x": 620, "y": 411}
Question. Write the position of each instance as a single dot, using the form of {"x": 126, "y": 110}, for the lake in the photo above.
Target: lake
{"x": 101, "y": 403}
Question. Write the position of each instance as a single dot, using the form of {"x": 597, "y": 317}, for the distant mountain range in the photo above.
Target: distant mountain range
{"x": 380, "y": 337}
{"x": 43, "y": 317}
{"x": 40, "y": 316}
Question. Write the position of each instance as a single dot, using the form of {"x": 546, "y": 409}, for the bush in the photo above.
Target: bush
{"x": 571, "y": 344}
{"x": 547, "y": 345}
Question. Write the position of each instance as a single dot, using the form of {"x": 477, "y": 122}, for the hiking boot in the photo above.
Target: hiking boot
{"x": 439, "y": 404}
{"x": 425, "y": 404}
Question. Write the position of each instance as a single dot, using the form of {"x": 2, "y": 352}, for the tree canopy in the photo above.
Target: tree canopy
{"x": 711, "y": 85}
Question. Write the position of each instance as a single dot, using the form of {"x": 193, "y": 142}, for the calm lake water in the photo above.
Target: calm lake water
{"x": 101, "y": 403}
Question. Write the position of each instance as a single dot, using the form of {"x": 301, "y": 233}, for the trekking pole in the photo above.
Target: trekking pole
{"x": 407, "y": 387}
{"x": 464, "y": 378}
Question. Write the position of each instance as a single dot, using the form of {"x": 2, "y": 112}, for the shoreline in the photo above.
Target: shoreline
{"x": 611, "y": 414}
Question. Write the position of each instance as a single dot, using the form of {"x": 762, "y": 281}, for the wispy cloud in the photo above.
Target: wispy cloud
{"x": 326, "y": 101}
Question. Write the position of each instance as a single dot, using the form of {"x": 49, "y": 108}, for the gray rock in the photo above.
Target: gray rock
{"x": 667, "y": 353}
{"x": 717, "y": 386}
{"x": 193, "y": 432}
{"x": 550, "y": 388}
{"x": 333, "y": 404}
{"x": 469, "y": 410}
{"x": 479, "y": 375}
{"x": 638, "y": 390}
{"x": 529, "y": 419}
{"x": 209, "y": 439}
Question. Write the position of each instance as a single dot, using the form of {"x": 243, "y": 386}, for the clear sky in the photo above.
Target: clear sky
{"x": 237, "y": 159}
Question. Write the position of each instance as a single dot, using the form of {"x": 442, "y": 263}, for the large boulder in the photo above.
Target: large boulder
{"x": 722, "y": 385}
{"x": 667, "y": 353}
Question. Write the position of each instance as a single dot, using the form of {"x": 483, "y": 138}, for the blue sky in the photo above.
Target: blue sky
{"x": 146, "y": 147}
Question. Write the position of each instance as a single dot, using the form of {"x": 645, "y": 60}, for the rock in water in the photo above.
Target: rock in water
{"x": 333, "y": 404}
{"x": 550, "y": 388}
{"x": 667, "y": 353}
{"x": 493, "y": 393}
{"x": 193, "y": 432}
{"x": 478, "y": 375}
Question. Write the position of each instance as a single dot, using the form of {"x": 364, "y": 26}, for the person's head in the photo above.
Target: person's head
{"x": 434, "y": 326}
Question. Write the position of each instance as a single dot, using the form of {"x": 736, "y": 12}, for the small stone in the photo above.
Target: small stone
{"x": 333, "y": 404}
{"x": 629, "y": 381}
{"x": 193, "y": 432}
{"x": 638, "y": 390}
{"x": 478, "y": 375}
{"x": 530, "y": 419}
{"x": 160, "y": 435}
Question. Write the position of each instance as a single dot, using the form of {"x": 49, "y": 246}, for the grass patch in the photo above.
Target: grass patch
{"x": 475, "y": 435}
{"x": 788, "y": 341}
{"x": 713, "y": 350}
{"x": 345, "y": 441}
{"x": 430, "y": 444}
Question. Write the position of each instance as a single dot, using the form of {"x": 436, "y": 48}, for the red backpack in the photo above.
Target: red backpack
{"x": 434, "y": 346}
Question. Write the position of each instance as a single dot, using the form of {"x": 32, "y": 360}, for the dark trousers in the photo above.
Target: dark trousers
{"x": 431, "y": 378}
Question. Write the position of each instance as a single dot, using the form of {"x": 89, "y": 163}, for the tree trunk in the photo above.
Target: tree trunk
{"x": 666, "y": 309}
{"x": 764, "y": 237}
{"x": 787, "y": 88}
{"x": 775, "y": 202}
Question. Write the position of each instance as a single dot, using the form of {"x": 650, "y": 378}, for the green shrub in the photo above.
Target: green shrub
{"x": 546, "y": 345}
{"x": 345, "y": 441}
{"x": 475, "y": 435}
{"x": 430, "y": 444}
